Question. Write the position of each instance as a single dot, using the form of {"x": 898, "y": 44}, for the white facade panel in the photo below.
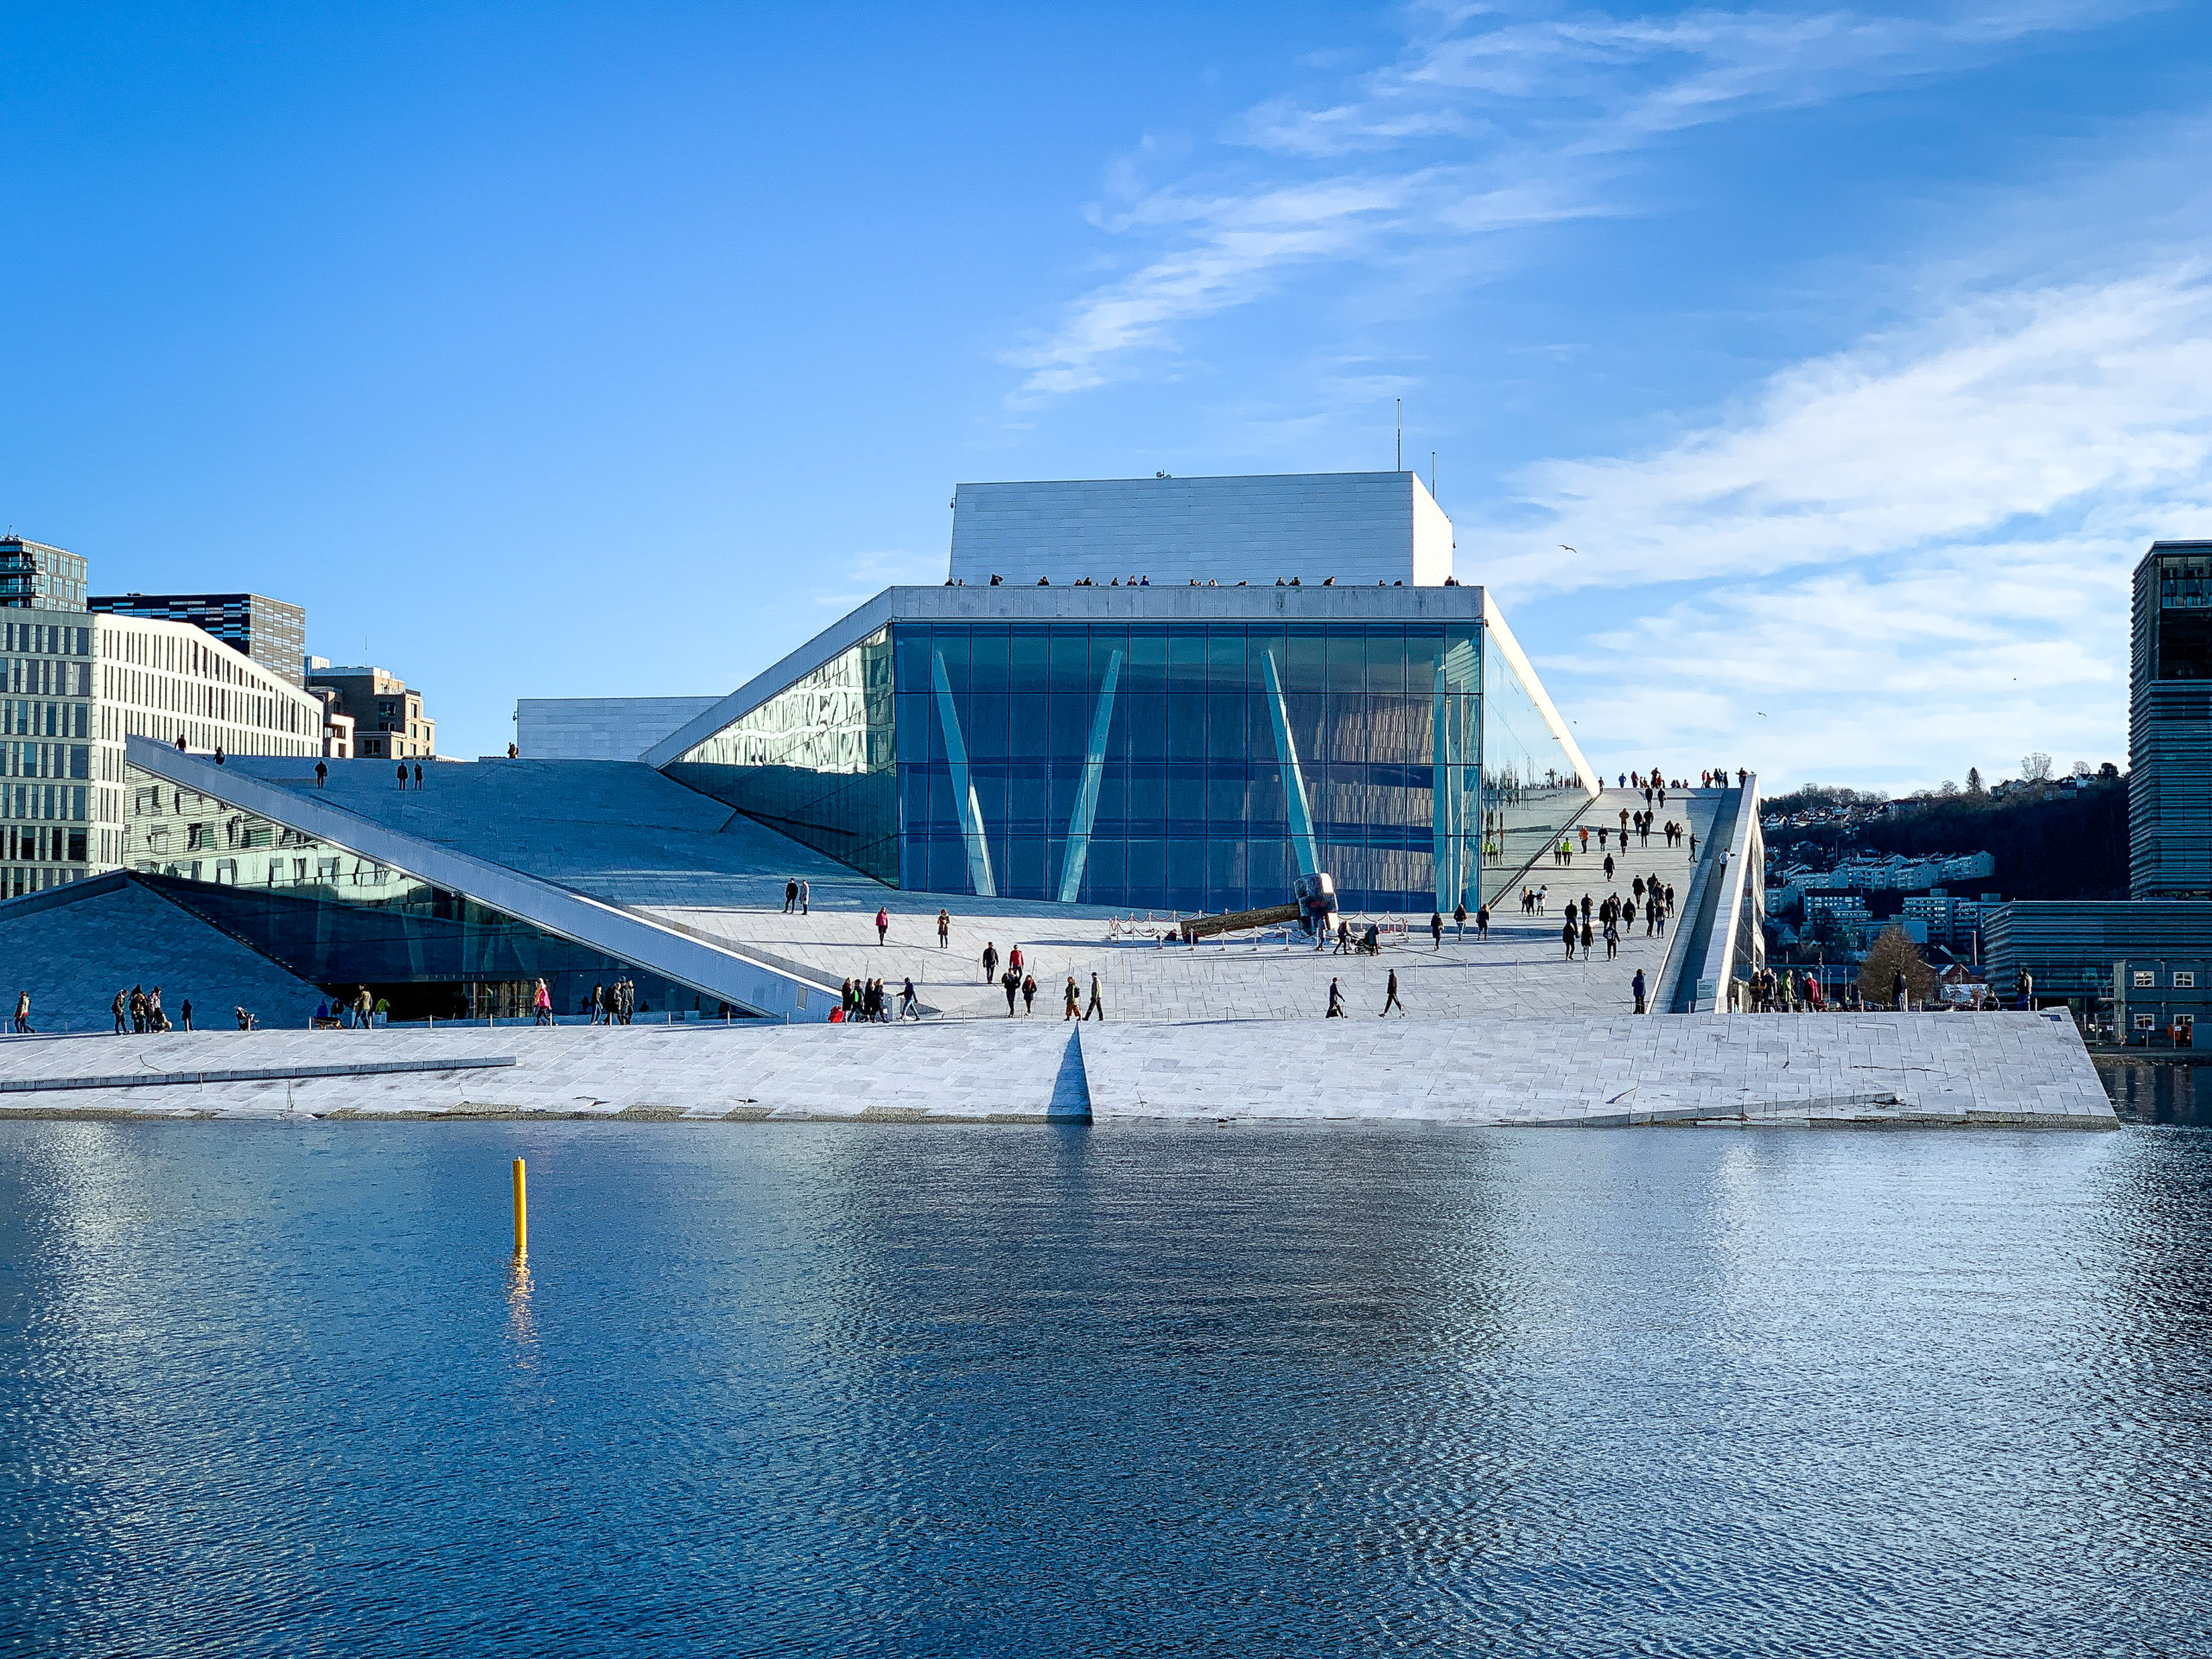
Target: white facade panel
{"x": 1357, "y": 528}
{"x": 600, "y": 728}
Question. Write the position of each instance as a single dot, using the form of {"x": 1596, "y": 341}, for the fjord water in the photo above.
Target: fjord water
{"x": 278, "y": 1389}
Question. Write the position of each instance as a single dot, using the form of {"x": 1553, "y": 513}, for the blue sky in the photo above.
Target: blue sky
{"x": 549, "y": 351}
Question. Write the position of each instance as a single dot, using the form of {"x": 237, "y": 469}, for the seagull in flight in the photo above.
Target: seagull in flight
{"x": 1564, "y": 547}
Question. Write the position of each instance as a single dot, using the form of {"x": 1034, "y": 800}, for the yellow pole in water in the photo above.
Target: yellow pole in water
{"x": 522, "y": 1210}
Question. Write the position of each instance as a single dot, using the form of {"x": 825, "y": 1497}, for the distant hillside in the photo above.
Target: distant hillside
{"x": 2049, "y": 841}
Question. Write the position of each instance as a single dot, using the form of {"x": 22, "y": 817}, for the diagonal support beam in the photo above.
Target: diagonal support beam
{"x": 963, "y": 786}
{"x": 1294, "y": 781}
{"x": 1086, "y": 800}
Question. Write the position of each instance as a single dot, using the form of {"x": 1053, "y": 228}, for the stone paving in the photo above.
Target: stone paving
{"x": 623, "y": 832}
{"x": 1521, "y": 970}
{"x": 1996, "y": 1070}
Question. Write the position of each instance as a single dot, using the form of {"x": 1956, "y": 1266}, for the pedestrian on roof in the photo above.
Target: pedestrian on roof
{"x": 1390, "y": 998}
{"x": 791, "y": 897}
{"x": 944, "y": 928}
{"x": 882, "y": 923}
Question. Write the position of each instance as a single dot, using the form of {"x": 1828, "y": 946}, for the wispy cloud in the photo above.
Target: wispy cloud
{"x": 1485, "y": 124}
{"x": 2017, "y": 406}
{"x": 1899, "y": 560}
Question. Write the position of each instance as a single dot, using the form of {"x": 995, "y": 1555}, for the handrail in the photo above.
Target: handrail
{"x": 1719, "y": 964}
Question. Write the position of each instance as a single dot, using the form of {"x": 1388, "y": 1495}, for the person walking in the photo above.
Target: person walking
{"x": 1459, "y": 920}
{"x": 1010, "y": 982}
{"x": 1566, "y": 937}
{"x": 363, "y": 1014}
{"x": 882, "y": 923}
{"x": 121, "y": 1009}
{"x": 1637, "y": 985}
{"x": 1899, "y": 992}
{"x": 322, "y": 773}
{"x": 944, "y": 928}
{"x": 1098, "y": 1003}
{"x": 1028, "y": 995}
{"x": 1612, "y": 941}
{"x": 805, "y": 896}
{"x": 24, "y": 1014}
{"x": 184, "y": 1012}
{"x": 1013, "y": 959}
{"x": 909, "y": 1004}
{"x": 1390, "y": 998}
{"x": 598, "y": 1004}
{"x": 1609, "y": 866}
{"x": 402, "y": 775}
{"x": 1588, "y": 938}
{"x": 1436, "y": 929}
{"x": 1343, "y": 938}
{"x": 791, "y": 896}
{"x": 1074, "y": 1002}
{"x": 541, "y": 1005}
{"x": 990, "y": 961}
{"x": 1336, "y": 1001}
{"x": 1482, "y": 923}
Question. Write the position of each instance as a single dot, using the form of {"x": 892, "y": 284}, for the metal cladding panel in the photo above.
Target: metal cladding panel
{"x": 2069, "y": 945}
{"x": 600, "y": 728}
{"x": 1359, "y": 528}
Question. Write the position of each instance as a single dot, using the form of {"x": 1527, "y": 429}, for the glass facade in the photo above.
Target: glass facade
{"x": 2185, "y": 626}
{"x": 341, "y": 920}
{"x": 1184, "y": 765}
{"x": 814, "y": 761}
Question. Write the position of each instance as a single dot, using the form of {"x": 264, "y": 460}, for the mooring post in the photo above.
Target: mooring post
{"x": 522, "y": 1212}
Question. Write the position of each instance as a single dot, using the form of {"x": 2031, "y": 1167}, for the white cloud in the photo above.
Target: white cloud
{"x": 1897, "y": 561}
{"x": 1484, "y": 126}
{"x": 2018, "y": 405}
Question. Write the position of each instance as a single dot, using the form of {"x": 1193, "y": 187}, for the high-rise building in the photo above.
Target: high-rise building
{"x": 389, "y": 723}
{"x": 74, "y": 688}
{"x": 272, "y": 633}
{"x": 2170, "y": 724}
{"x": 34, "y": 577}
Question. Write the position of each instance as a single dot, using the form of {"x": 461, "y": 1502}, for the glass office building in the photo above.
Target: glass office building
{"x": 1163, "y": 748}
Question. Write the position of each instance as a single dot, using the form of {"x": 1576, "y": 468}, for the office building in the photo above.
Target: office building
{"x": 271, "y": 631}
{"x": 2170, "y": 724}
{"x": 388, "y": 722}
{"x": 34, "y": 576}
{"x": 75, "y": 687}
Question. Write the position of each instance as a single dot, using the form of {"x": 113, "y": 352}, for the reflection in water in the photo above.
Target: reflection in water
{"x": 951, "y": 1391}
{"x": 522, "y": 1330}
{"x": 2159, "y": 1091}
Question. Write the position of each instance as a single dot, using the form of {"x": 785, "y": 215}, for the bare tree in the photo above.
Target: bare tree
{"x": 2083, "y": 769}
{"x": 1887, "y": 956}
{"x": 2036, "y": 767}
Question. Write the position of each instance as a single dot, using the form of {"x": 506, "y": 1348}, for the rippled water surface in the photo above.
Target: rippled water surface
{"x": 1058, "y": 1390}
